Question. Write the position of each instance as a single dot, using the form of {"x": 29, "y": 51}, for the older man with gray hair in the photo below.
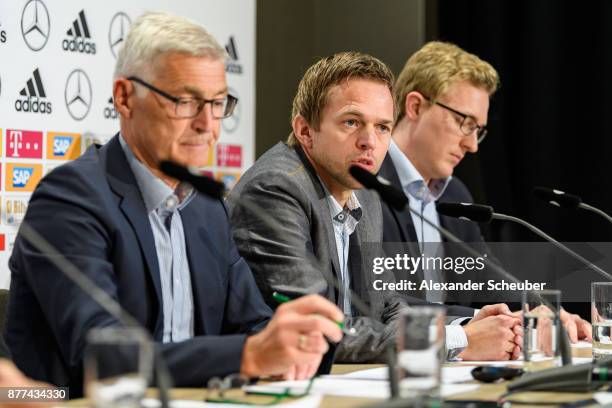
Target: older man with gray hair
{"x": 165, "y": 253}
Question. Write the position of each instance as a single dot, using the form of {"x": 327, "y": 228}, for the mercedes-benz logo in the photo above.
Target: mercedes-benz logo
{"x": 78, "y": 94}
{"x": 35, "y": 25}
{"x": 231, "y": 124}
{"x": 117, "y": 31}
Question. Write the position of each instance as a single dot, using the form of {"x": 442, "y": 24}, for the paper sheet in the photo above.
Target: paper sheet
{"x": 347, "y": 387}
{"x": 310, "y": 401}
{"x": 582, "y": 345}
{"x": 450, "y": 375}
{"x": 517, "y": 363}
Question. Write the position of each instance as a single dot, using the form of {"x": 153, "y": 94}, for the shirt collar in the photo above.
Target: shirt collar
{"x": 351, "y": 212}
{"x": 412, "y": 181}
{"x": 155, "y": 193}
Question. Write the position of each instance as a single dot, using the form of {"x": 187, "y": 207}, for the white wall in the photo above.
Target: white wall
{"x": 33, "y": 143}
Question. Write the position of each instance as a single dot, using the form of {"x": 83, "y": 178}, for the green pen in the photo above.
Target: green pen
{"x": 280, "y": 298}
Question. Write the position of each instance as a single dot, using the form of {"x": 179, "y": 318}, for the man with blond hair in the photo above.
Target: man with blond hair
{"x": 442, "y": 97}
{"x": 161, "y": 250}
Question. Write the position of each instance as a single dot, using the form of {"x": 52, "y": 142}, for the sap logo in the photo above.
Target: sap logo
{"x": 21, "y": 176}
{"x": 61, "y": 144}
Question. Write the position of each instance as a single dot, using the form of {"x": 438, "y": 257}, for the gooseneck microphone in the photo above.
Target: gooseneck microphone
{"x": 466, "y": 211}
{"x": 562, "y": 199}
{"x": 397, "y": 199}
{"x": 203, "y": 184}
{"x": 485, "y": 213}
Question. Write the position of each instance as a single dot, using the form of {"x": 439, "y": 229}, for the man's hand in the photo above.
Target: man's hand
{"x": 576, "y": 327}
{"x": 496, "y": 337}
{"x": 493, "y": 310}
{"x": 294, "y": 341}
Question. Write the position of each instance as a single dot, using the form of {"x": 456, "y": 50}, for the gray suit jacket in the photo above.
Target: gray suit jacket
{"x": 282, "y": 227}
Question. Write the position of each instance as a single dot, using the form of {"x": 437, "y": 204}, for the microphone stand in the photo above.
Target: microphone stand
{"x": 398, "y": 199}
{"x": 548, "y": 238}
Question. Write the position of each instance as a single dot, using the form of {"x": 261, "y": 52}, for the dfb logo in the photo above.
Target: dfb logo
{"x": 32, "y": 97}
{"x": 21, "y": 176}
{"x": 78, "y": 37}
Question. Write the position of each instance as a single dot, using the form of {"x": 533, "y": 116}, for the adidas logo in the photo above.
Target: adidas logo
{"x": 79, "y": 38}
{"x": 232, "y": 65}
{"x": 30, "y": 97}
{"x": 109, "y": 111}
{"x": 2, "y": 35}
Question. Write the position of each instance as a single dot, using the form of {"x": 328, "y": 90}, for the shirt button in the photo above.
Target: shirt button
{"x": 170, "y": 202}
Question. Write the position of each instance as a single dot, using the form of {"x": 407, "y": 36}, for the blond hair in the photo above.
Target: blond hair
{"x": 156, "y": 33}
{"x": 436, "y": 66}
{"x": 311, "y": 96}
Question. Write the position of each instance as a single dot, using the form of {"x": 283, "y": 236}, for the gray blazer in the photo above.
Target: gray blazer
{"x": 282, "y": 227}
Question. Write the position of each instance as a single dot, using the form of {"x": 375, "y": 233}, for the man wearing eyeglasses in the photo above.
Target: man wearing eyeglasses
{"x": 165, "y": 253}
{"x": 442, "y": 96}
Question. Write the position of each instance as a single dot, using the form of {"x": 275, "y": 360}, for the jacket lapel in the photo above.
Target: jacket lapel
{"x": 205, "y": 260}
{"x": 323, "y": 207}
{"x": 403, "y": 218}
{"x": 123, "y": 183}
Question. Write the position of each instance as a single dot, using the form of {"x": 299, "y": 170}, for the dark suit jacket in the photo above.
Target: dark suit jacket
{"x": 92, "y": 211}
{"x": 398, "y": 225}
{"x": 282, "y": 226}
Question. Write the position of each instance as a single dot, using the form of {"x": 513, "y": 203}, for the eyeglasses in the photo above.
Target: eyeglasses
{"x": 191, "y": 107}
{"x": 231, "y": 390}
{"x": 468, "y": 124}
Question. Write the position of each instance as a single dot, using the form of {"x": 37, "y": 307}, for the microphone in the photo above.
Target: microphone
{"x": 562, "y": 199}
{"x": 398, "y": 200}
{"x": 394, "y": 197}
{"x": 466, "y": 211}
{"x": 479, "y": 213}
{"x": 203, "y": 184}
{"x": 557, "y": 197}
{"x": 578, "y": 378}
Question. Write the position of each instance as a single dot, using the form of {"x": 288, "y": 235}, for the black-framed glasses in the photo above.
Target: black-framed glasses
{"x": 232, "y": 390}
{"x": 468, "y": 123}
{"x": 191, "y": 107}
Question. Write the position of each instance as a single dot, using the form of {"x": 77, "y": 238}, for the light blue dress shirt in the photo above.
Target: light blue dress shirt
{"x": 344, "y": 221}
{"x": 422, "y": 199}
{"x": 163, "y": 207}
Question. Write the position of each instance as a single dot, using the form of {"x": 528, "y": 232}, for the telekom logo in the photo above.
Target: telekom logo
{"x": 24, "y": 144}
{"x": 15, "y": 138}
{"x": 229, "y": 155}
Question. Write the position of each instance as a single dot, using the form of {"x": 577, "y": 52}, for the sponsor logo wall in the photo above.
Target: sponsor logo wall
{"x": 56, "y": 89}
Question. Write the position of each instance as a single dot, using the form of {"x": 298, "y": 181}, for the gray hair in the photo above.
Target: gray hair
{"x": 156, "y": 33}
